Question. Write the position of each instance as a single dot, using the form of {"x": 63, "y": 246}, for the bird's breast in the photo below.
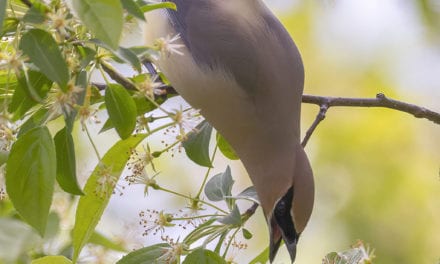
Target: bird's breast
{"x": 214, "y": 91}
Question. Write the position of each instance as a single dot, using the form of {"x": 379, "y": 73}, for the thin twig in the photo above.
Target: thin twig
{"x": 319, "y": 117}
{"x": 249, "y": 212}
{"x": 117, "y": 77}
{"x": 380, "y": 101}
{"x": 100, "y": 86}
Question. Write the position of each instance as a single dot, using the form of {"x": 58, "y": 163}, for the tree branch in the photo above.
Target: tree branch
{"x": 116, "y": 76}
{"x": 319, "y": 117}
{"x": 380, "y": 101}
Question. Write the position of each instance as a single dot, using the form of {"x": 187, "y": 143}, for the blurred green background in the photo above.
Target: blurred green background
{"x": 377, "y": 170}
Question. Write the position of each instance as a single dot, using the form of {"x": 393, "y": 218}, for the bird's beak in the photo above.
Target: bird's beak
{"x": 276, "y": 236}
{"x": 275, "y": 239}
{"x": 291, "y": 248}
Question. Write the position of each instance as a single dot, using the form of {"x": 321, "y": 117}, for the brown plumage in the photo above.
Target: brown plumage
{"x": 243, "y": 71}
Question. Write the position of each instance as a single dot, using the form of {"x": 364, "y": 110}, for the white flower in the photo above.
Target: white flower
{"x": 149, "y": 87}
{"x": 11, "y": 59}
{"x": 167, "y": 45}
{"x": 154, "y": 221}
{"x": 107, "y": 182}
{"x": 7, "y": 134}
{"x": 172, "y": 254}
{"x": 186, "y": 121}
{"x": 60, "y": 102}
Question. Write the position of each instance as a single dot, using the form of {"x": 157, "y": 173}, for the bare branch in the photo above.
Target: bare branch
{"x": 117, "y": 77}
{"x": 319, "y": 117}
{"x": 380, "y": 101}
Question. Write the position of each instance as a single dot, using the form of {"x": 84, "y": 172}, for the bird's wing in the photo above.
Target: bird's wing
{"x": 218, "y": 42}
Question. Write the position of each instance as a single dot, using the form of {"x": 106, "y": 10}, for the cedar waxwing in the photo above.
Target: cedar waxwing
{"x": 243, "y": 71}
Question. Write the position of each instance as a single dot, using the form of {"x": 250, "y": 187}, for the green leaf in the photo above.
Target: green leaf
{"x": 45, "y": 54}
{"x": 203, "y": 256}
{"x": 2, "y": 12}
{"x": 99, "y": 189}
{"x": 150, "y": 7}
{"x": 99, "y": 239}
{"x": 9, "y": 25}
{"x": 234, "y": 218}
{"x": 36, "y": 120}
{"x": 226, "y": 148}
{"x": 52, "y": 260}
{"x": 146, "y": 255}
{"x": 87, "y": 55}
{"x": 107, "y": 126}
{"x": 103, "y": 17}
{"x": 28, "y": 92}
{"x": 66, "y": 163}
{"x": 219, "y": 187}
{"x": 30, "y": 176}
{"x": 246, "y": 233}
{"x": 263, "y": 257}
{"x": 249, "y": 194}
{"x": 129, "y": 56}
{"x": 144, "y": 106}
{"x": 36, "y": 85}
{"x": 16, "y": 238}
{"x": 197, "y": 144}
{"x": 121, "y": 55}
{"x": 35, "y": 14}
{"x": 133, "y": 8}
{"x": 202, "y": 230}
{"x": 121, "y": 109}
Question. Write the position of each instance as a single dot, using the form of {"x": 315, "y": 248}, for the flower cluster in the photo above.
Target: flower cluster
{"x": 60, "y": 102}
{"x": 88, "y": 113}
{"x": 185, "y": 122}
{"x": 236, "y": 247}
{"x": 149, "y": 87}
{"x": 172, "y": 253}
{"x": 154, "y": 221}
{"x": 137, "y": 165}
{"x": 107, "y": 182}
{"x": 11, "y": 59}
{"x": 7, "y": 134}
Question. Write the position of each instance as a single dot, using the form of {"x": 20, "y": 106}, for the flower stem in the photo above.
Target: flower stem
{"x": 91, "y": 142}
{"x": 206, "y": 174}
{"x": 197, "y": 216}
{"x": 192, "y": 199}
{"x": 230, "y": 242}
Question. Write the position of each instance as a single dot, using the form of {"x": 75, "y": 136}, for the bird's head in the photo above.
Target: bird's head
{"x": 289, "y": 215}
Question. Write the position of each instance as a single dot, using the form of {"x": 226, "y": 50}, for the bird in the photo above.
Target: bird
{"x": 238, "y": 65}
